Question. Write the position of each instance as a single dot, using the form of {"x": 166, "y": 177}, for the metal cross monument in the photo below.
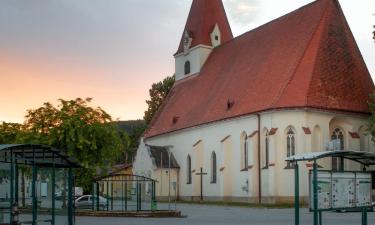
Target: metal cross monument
{"x": 201, "y": 174}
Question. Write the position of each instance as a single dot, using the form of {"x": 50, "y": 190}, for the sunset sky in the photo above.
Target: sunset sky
{"x": 113, "y": 50}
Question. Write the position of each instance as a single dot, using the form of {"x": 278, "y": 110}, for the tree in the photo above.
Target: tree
{"x": 85, "y": 133}
{"x": 9, "y": 132}
{"x": 158, "y": 93}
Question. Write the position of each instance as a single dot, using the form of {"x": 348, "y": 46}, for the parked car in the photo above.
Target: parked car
{"x": 86, "y": 201}
{"x": 78, "y": 192}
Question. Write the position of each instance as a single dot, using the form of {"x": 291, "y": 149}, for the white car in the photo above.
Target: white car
{"x": 86, "y": 202}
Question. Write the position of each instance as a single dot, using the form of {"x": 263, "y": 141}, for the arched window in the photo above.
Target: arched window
{"x": 338, "y": 144}
{"x": 213, "y": 168}
{"x": 187, "y": 67}
{"x": 290, "y": 145}
{"x": 188, "y": 170}
{"x": 266, "y": 150}
{"x": 244, "y": 151}
{"x": 364, "y": 141}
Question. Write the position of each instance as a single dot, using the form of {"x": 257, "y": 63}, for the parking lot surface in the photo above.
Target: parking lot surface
{"x": 228, "y": 215}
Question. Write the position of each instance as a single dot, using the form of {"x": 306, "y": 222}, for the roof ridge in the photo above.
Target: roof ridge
{"x": 266, "y": 24}
{"x": 277, "y": 99}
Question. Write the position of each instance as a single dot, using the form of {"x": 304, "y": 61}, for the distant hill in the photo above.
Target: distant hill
{"x": 130, "y": 125}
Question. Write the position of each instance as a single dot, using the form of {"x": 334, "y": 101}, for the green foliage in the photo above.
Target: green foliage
{"x": 85, "y": 133}
{"x": 9, "y": 132}
{"x": 133, "y": 130}
{"x": 158, "y": 93}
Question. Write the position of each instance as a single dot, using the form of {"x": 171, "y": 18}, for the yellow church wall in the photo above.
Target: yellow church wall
{"x": 162, "y": 188}
{"x": 224, "y": 138}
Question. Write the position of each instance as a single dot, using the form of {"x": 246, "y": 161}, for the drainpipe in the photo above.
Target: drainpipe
{"x": 259, "y": 169}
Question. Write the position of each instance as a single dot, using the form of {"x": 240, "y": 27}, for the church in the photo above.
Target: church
{"x": 241, "y": 105}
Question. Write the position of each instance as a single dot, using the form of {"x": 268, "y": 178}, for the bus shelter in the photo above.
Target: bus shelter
{"x": 123, "y": 193}
{"x": 36, "y": 183}
{"x": 323, "y": 184}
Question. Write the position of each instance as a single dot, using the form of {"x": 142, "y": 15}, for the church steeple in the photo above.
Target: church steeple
{"x": 207, "y": 26}
{"x": 204, "y": 16}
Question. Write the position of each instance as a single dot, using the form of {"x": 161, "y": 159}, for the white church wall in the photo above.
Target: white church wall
{"x": 197, "y": 56}
{"x": 143, "y": 165}
{"x": 277, "y": 181}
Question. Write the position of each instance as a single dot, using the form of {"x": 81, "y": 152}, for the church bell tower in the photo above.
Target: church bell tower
{"x": 207, "y": 27}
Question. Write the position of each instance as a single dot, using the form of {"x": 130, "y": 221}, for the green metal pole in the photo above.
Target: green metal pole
{"x": 137, "y": 195}
{"x": 112, "y": 195}
{"x": 53, "y": 183}
{"x": 16, "y": 186}
{"x": 93, "y": 199}
{"x": 296, "y": 194}
{"x": 70, "y": 196}
{"x": 11, "y": 189}
{"x": 140, "y": 196}
{"x": 107, "y": 196}
{"x": 122, "y": 194}
{"x": 34, "y": 197}
{"x": 97, "y": 196}
{"x": 126, "y": 196}
{"x": 364, "y": 216}
{"x": 315, "y": 192}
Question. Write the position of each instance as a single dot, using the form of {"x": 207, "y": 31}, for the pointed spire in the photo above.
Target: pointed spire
{"x": 203, "y": 17}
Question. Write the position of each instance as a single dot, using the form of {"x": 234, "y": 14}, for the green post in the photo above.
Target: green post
{"x": 53, "y": 183}
{"x": 364, "y": 216}
{"x": 11, "y": 189}
{"x": 122, "y": 193}
{"x": 107, "y": 195}
{"x": 137, "y": 195}
{"x": 97, "y": 196}
{"x": 112, "y": 195}
{"x": 93, "y": 199}
{"x": 33, "y": 193}
{"x": 70, "y": 197}
{"x": 16, "y": 186}
{"x": 296, "y": 194}
{"x": 126, "y": 196}
{"x": 315, "y": 192}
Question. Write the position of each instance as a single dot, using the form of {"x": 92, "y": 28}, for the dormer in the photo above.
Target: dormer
{"x": 207, "y": 27}
{"x": 216, "y": 36}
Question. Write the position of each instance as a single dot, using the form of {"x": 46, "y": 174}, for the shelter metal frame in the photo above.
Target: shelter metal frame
{"x": 124, "y": 180}
{"x": 37, "y": 156}
{"x": 364, "y": 158}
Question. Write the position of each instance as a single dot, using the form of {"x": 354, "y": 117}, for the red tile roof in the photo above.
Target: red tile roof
{"x": 305, "y": 59}
{"x": 203, "y": 16}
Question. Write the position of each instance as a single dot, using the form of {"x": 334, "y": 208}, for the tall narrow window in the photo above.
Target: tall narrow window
{"x": 290, "y": 145}
{"x": 246, "y": 152}
{"x": 266, "y": 151}
{"x": 213, "y": 168}
{"x": 338, "y": 138}
{"x": 187, "y": 67}
{"x": 188, "y": 170}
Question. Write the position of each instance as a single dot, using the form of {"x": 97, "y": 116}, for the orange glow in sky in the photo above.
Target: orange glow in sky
{"x": 112, "y": 51}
